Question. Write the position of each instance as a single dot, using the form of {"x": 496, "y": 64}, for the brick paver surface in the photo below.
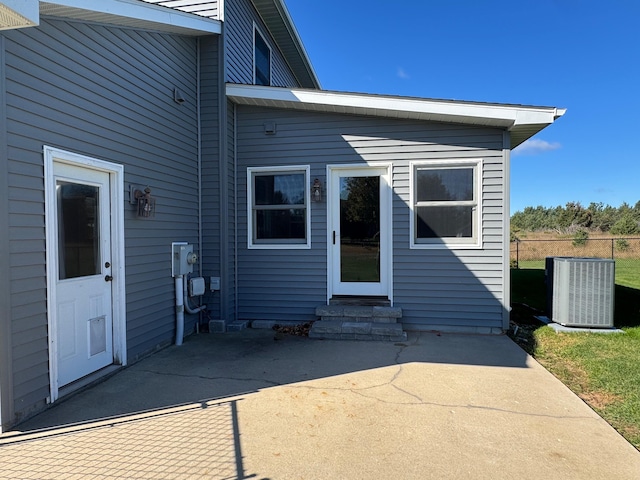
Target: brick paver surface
{"x": 195, "y": 441}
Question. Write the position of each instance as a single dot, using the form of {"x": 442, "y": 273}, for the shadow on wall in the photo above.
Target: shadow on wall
{"x": 438, "y": 289}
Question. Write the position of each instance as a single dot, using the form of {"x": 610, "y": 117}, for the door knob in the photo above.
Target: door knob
{"x": 108, "y": 278}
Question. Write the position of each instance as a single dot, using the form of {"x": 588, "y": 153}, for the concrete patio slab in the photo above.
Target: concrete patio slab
{"x": 257, "y": 404}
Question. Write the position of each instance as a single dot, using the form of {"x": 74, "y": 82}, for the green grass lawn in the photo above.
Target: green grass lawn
{"x": 603, "y": 369}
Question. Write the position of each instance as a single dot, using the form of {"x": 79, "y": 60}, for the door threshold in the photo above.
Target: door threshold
{"x": 361, "y": 300}
{"x": 89, "y": 380}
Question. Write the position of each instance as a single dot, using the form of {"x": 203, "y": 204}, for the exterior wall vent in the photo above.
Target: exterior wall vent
{"x": 583, "y": 292}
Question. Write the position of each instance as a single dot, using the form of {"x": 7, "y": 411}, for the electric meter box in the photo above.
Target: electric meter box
{"x": 183, "y": 259}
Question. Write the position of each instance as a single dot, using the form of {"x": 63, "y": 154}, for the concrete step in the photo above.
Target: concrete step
{"x": 359, "y": 313}
{"x": 345, "y": 330}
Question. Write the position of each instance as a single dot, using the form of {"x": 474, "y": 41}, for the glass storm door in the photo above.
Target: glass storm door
{"x": 83, "y": 280}
{"x": 359, "y": 234}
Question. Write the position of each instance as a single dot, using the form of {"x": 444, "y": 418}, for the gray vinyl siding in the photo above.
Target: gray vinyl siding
{"x": 230, "y": 254}
{"x": 445, "y": 289}
{"x": 106, "y": 93}
{"x": 6, "y": 354}
{"x": 238, "y": 27}
{"x": 210, "y": 105}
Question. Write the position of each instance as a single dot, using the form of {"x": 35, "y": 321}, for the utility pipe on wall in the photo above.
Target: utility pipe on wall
{"x": 179, "y": 309}
{"x": 182, "y": 304}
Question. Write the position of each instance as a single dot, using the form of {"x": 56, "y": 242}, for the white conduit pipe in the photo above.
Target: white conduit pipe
{"x": 179, "y": 309}
{"x": 182, "y": 304}
{"x": 187, "y": 307}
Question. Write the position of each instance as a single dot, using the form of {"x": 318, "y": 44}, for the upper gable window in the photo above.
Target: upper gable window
{"x": 261, "y": 60}
{"x": 446, "y": 204}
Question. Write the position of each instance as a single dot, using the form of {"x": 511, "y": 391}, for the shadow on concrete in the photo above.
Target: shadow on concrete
{"x": 209, "y": 366}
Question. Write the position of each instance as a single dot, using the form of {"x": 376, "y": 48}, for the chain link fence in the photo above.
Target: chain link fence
{"x": 625, "y": 251}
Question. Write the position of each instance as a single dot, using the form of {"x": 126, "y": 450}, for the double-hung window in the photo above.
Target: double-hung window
{"x": 278, "y": 207}
{"x": 261, "y": 60}
{"x": 446, "y": 204}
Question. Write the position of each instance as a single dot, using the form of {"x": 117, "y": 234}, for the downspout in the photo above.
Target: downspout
{"x": 223, "y": 171}
{"x": 179, "y": 309}
{"x": 199, "y": 133}
{"x": 506, "y": 224}
{"x": 235, "y": 210}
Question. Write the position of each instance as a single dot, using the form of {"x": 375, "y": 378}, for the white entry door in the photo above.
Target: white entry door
{"x": 360, "y": 231}
{"x": 83, "y": 283}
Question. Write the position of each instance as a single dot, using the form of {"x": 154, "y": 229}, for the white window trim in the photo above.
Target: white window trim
{"x": 447, "y": 243}
{"x": 307, "y": 199}
{"x": 258, "y": 31}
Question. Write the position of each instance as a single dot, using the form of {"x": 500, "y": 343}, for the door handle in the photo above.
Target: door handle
{"x": 334, "y": 237}
{"x": 108, "y": 278}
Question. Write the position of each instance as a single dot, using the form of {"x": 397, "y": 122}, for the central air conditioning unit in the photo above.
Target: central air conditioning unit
{"x": 583, "y": 292}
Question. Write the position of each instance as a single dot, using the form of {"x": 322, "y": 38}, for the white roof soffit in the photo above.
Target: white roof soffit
{"x": 522, "y": 121}
{"x": 276, "y": 17}
{"x": 132, "y": 14}
{"x": 19, "y": 14}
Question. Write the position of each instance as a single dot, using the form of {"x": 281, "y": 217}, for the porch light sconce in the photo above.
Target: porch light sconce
{"x": 316, "y": 191}
{"x": 144, "y": 202}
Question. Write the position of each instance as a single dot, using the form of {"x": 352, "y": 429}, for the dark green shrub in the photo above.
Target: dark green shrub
{"x": 580, "y": 238}
{"x": 622, "y": 244}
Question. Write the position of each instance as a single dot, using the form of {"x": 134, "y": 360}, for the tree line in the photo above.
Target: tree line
{"x": 574, "y": 218}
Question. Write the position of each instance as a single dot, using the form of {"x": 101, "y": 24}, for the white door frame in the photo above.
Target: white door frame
{"x": 386, "y": 234}
{"x": 116, "y": 175}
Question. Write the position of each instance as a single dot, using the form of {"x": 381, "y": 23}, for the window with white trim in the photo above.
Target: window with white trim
{"x": 261, "y": 60}
{"x": 445, "y": 200}
{"x": 278, "y": 207}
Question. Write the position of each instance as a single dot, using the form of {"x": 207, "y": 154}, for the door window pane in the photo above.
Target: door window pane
{"x": 360, "y": 229}
{"x": 78, "y": 230}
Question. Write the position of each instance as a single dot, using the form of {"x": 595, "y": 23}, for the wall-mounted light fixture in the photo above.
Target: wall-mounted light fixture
{"x": 144, "y": 202}
{"x": 316, "y": 191}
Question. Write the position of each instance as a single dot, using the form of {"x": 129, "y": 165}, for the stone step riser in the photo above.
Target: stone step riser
{"x": 361, "y": 319}
{"x": 357, "y": 336}
{"x": 336, "y": 329}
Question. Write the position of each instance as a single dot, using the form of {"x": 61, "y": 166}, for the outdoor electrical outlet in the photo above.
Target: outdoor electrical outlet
{"x": 214, "y": 284}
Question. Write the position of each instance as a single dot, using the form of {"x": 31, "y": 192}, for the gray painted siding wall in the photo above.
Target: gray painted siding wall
{"x": 106, "y": 93}
{"x": 238, "y": 28}
{"x": 6, "y": 352}
{"x": 230, "y": 292}
{"x": 210, "y": 104}
{"x": 437, "y": 289}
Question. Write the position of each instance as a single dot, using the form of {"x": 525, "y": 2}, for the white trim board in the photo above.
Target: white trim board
{"x": 523, "y": 121}
{"x": 132, "y": 13}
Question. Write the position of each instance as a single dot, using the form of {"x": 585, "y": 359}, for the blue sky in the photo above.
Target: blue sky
{"x": 583, "y": 55}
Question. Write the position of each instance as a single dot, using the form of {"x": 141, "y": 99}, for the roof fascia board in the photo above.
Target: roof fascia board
{"x": 136, "y": 10}
{"x": 506, "y": 116}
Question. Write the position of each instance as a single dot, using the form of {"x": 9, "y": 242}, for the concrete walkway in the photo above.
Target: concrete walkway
{"x": 260, "y": 405}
